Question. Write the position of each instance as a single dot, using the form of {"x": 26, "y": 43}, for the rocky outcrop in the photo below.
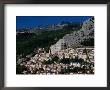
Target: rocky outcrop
{"x": 58, "y": 46}
{"x": 74, "y": 39}
{"x": 87, "y": 31}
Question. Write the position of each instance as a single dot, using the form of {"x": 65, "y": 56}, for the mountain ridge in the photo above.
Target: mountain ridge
{"x": 76, "y": 38}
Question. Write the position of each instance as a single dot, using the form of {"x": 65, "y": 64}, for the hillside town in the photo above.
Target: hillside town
{"x": 36, "y": 64}
{"x": 67, "y": 56}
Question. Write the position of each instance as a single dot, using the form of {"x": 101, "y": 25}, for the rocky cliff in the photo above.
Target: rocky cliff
{"x": 87, "y": 31}
{"x": 75, "y": 39}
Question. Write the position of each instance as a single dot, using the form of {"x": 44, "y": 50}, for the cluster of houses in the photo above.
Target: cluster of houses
{"x": 36, "y": 64}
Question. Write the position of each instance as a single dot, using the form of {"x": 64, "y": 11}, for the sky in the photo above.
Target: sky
{"x": 33, "y": 21}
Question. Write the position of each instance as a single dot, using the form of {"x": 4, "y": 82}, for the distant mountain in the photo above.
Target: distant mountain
{"x": 23, "y": 30}
{"x": 59, "y": 26}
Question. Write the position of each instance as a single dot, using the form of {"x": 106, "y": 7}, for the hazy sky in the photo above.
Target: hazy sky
{"x": 32, "y": 21}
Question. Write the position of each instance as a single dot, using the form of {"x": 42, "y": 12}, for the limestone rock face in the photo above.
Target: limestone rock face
{"x": 74, "y": 39}
{"x": 58, "y": 46}
{"x": 87, "y": 31}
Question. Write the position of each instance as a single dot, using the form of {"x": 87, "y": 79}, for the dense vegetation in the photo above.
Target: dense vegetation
{"x": 88, "y": 42}
{"x": 20, "y": 69}
{"x": 26, "y": 43}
